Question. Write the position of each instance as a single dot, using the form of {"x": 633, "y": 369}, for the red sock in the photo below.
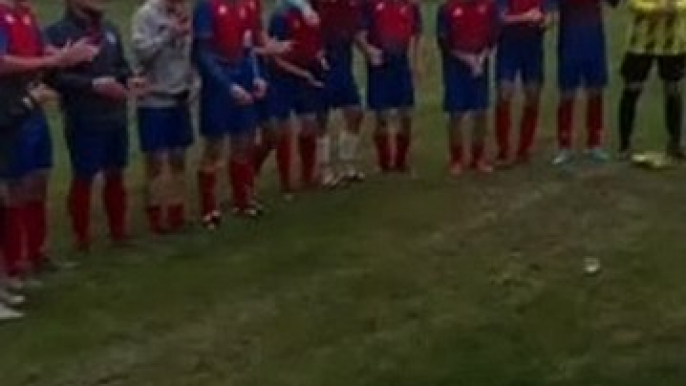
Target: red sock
{"x": 403, "y": 142}
{"x": 503, "y": 124}
{"x": 262, "y": 151}
{"x": 284, "y": 162}
{"x": 478, "y": 152}
{"x": 154, "y": 213}
{"x": 207, "y": 185}
{"x": 238, "y": 186}
{"x": 383, "y": 151}
{"x": 528, "y": 130}
{"x": 79, "y": 203}
{"x": 456, "y": 153}
{"x": 565, "y": 113}
{"x": 115, "y": 200}
{"x": 594, "y": 121}
{"x": 307, "y": 145}
{"x": 176, "y": 216}
{"x": 36, "y": 230}
{"x": 14, "y": 240}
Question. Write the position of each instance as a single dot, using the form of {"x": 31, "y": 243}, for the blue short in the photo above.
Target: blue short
{"x": 293, "y": 95}
{"x": 341, "y": 87}
{"x": 463, "y": 91}
{"x": 390, "y": 86}
{"x": 220, "y": 114}
{"x": 94, "y": 149}
{"x": 31, "y": 149}
{"x": 523, "y": 61}
{"x": 585, "y": 68}
{"x": 165, "y": 128}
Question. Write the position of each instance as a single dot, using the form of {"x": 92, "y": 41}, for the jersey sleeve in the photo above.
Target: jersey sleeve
{"x": 203, "y": 20}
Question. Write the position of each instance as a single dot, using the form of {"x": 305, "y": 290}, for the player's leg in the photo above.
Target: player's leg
{"x": 35, "y": 208}
{"x": 672, "y": 73}
{"x": 115, "y": 194}
{"x": 402, "y": 98}
{"x": 569, "y": 81}
{"x": 532, "y": 76}
{"x": 596, "y": 79}
{"x": 507, "y": 70}
{"x": 181, "y": 137}
{"x": 479, "y": 161}
{"x": 324, "y": 152}
{"x": 307, "y": 148}
{"x": 635, "y": 70}
{"x": 349, "y": 143}
{"x": 382, "y": 140}
{"x": 242, "y": 173}
{"x": 153, "y": 126}
{"x": 456, "y": 143}
{"x": 210, "y": 163}
{"x": 85, "y": 150}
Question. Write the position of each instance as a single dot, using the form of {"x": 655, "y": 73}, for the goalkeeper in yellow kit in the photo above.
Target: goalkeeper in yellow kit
{"x": 657, "y": 36}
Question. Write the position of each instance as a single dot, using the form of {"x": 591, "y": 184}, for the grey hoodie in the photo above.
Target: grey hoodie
{"x": 161, "y": 56}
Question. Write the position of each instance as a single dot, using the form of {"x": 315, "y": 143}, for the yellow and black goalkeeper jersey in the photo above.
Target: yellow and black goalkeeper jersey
{"x": 655, "y": 31}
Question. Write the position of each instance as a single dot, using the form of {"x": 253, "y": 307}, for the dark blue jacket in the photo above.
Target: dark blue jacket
{"x": 82, "y": 107}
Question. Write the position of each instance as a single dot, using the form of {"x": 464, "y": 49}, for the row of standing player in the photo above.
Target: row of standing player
{"x": 253, "y": 80}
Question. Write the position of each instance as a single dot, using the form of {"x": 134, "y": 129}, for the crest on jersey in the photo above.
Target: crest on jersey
{"x": 404, "y": 10}
{"x": 458, "y": 12}
{"x": 111, "y": 38}
{"x": 242, "y": 13}
{"x": 380, "y": 7}
{"x": 28, "y": 20}
{"x": 9, "y": 19}
{"x": 482, "y": 8}
{"x": 223, "y": 10}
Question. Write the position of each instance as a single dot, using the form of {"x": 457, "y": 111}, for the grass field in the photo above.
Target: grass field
{"x": 424, "y": 282}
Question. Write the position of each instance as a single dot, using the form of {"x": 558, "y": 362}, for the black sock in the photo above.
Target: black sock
{"x": 673, "y": 118}
{"x": 627, "y": 115}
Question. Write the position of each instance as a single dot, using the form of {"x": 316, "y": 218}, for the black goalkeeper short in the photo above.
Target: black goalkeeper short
{"x": 636, "y": 67}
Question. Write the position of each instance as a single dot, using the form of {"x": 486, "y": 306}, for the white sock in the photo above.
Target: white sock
{"x": 324, "y": 153}
{"x": 348, "y": 144}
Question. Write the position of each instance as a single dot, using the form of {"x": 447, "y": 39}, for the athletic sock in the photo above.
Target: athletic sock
{"x": 403, "y": 143}
{"x": 154, "y": 213}
{"x": 565, "y": 112}
{"x": 14, "y": 240}
{"x": 115, "y": 200}
{"x": 207, "y": 184}
{"x": 673, "y": 118}
{"x": 457, "y": 153}
{"x": 348, "y": 144}
{"x": 627, "y": 117}
{"x": 383, "y": 151}
{"x": 594, "y": 121}
{"x": 79, "y": 204}
{"x": 307, "y": 146}
{"x": 527, "y": 133}
{"x": 323, "y": 155}
{"x": 503, "y": 125}
{"x": 238, "y": 184}
{"x": 478, "y": 153}
{"x": 284, "y": 151}
{"x": 35, "y": 213}
{"x": 176, "y": 216}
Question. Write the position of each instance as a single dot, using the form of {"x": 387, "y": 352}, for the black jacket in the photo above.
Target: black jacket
{"x": 82, "y": 107}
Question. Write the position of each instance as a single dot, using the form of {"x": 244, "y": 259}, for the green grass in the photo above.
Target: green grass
{"x": 426, "y": 282}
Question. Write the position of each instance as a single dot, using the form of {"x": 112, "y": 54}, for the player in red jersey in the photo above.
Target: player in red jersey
{"x": 391, "y": 41}
{"x": 23, "y": 59}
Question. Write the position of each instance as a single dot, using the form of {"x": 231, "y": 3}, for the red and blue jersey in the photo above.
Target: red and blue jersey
{"x": 341, "y": 20}
{"x": 289, "y": 24}
{"x": 581, "y": 24}
{"x": 467, "y": 25}
{"x": 19, "y": 32}
{"x": 226, "y": 25}
{"x": 392, "y": 24}
{"x": 519, "y": 32}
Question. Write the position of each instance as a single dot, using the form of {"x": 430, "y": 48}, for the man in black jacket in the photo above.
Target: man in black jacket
{"x": 94, "y": 106}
